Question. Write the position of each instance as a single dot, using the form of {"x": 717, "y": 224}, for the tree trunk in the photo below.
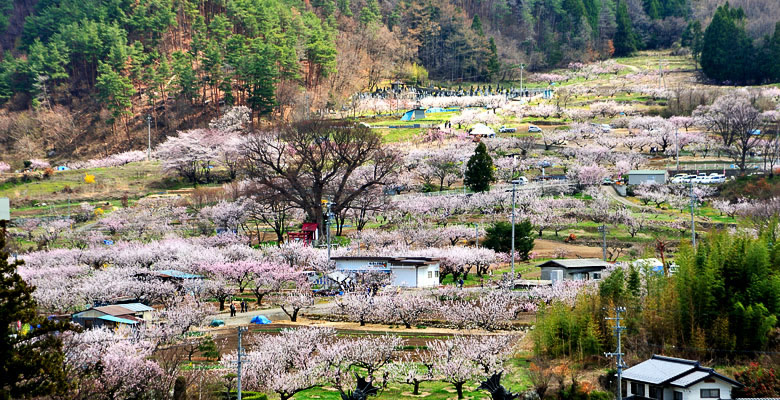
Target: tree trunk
{"x": 459, "y": 389}
{"x": 416, "y": 390}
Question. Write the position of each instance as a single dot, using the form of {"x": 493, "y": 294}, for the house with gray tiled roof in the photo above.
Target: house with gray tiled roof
{"x": 668, "y": 378}
{"x": 580, "y": 269}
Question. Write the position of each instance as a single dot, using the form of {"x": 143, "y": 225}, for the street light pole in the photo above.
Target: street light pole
{"x": 476, "y": 234}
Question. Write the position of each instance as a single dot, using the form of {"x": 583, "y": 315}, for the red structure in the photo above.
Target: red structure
{"x": 307, "y": 235}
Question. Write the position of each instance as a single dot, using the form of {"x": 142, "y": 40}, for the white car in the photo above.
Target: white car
{"x": 534, "y": 128}
{"x": 682, "y": 178}
{"x": 521, "y": 181}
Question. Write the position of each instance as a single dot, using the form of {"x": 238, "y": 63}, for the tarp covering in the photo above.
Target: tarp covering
{"x": 217, "y": 322}
{"x": 261, "y": 320}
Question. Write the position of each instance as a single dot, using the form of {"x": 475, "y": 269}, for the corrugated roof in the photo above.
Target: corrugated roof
{"x": 136, "y": 307}
{"x": 658, "y": 370}
{"x": 646, "y": 172}
{"x": 177, "y": 274}
{"x": 577, "y": 263}
{"x": 687, "y": 379}
{"x": 114, "y": 310}
{"x": 118, "y": 320}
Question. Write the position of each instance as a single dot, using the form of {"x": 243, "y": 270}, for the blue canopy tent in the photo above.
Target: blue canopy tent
{"x": 261, "y": 320}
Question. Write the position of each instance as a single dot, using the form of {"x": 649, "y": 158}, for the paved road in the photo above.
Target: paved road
{"x": 610, "y": 191}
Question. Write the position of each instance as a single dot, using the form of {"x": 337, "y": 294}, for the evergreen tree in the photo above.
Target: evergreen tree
{"x": 370, "y": 13}
{"x": 115, "y": 91}
{"x": 693, "y": 38}
{"x": 625, "y": 41}
{"x": 727, "y": 52}
{"x": 259, "y": 73}
{"x": 498, "y": 237}
{"x": 476, "y": 25}
{"x": 479, "y": 170}
{"x": 493, "y": 63}
{"x": 32, "y": 363}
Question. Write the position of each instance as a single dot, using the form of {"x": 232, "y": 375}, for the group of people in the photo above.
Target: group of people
{"x": 244, "y": 308}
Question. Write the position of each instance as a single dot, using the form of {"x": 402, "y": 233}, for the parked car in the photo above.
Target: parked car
{"x": 606, "y": 128}
{"x": 534, "y": 128}
{"x": 607, "y": 181}
{"x": 521, "y": 181}
{"x": 682, "y": 178}
{"x": 507, "y": 129}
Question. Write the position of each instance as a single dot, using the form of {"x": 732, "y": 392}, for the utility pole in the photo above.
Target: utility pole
{"x": 241, "y": 329}
{"x": 514, "y": 189}
{"x": 677, "y": 149}
{"x": 327, "y": 224}
{"x": 603, "y": 230}
{"x": 693, "y": 223}
{"x": 476, "y": 233}
{"x": 522, "y": 67}
{"x": 619, "y": 355}
{"x": 149, "y": 136}
{"x": 464, "y": 176}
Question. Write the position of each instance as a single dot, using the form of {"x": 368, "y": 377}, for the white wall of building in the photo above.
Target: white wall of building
{"x": 403, "y": 275}
{"x": 690, "y": 393}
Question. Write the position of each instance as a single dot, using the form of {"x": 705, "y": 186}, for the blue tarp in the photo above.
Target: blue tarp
{"x": 407, "y": 116}
{"x": 434, "y": 110}
{"x": 217, "y": 322}
{"x": 261, "y": 320}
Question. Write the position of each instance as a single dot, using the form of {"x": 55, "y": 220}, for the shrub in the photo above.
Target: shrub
{"x": 499, "y": 238}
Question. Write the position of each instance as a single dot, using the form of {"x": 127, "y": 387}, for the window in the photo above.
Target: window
{"x": 596, "y": 276}
{"x": 710, "y": 393}
{"x": 430, "y": 274}
{"x": 656, "y": 393}
{"x": 638, "y": 389}
{"x": 678, "y": 395}
{"x": 436, "y": 273}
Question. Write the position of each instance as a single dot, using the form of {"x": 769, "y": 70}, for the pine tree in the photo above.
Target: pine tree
{"x": 727, "y": 52}
{"x": 493, "y": 63}
{"x": 370, "y": 13}
{"x": 31, "y": 363}
{"x": 476, "y": 25}
{"x": 479, "y": 170}
{"x": 115, "y": 91}
{"x": 259, "y": 73}
{"x": 625, "y": 39}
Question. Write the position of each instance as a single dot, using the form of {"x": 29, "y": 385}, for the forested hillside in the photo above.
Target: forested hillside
{"x": 94, "y": 69}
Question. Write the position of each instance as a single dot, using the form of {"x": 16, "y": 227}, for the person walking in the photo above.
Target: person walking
{"x": 232, "y": 309}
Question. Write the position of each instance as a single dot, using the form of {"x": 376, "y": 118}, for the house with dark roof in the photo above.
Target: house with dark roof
{"x": 113, "y": 316}
{"x": 668, "y": 378}
{"x": 415, "y": 272}
{"x": 573, "y": 269}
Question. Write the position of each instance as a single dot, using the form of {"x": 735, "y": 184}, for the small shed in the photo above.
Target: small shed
{"x": 413, "y": 272}
{"x": 413, "y": 115}
{"x": 307, "y": 235}
{"x": 640, "y": 176}
{"x": 115, "y": 315}
{"x": 573, "y": 269}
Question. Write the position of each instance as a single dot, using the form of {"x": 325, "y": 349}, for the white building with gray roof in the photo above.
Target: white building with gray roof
{"x": 573, "y": 269}
{"x": 668, "y": 378}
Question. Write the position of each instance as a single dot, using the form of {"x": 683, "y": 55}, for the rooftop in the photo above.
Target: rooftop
{"x": 661, "y": 370}
{"x": 576, "y": 263}
{"x": 646, "y": 171}
{"x": 391, "y": 260}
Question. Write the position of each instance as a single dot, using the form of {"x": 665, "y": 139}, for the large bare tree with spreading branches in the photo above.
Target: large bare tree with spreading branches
{"x": 311, "y": 161}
